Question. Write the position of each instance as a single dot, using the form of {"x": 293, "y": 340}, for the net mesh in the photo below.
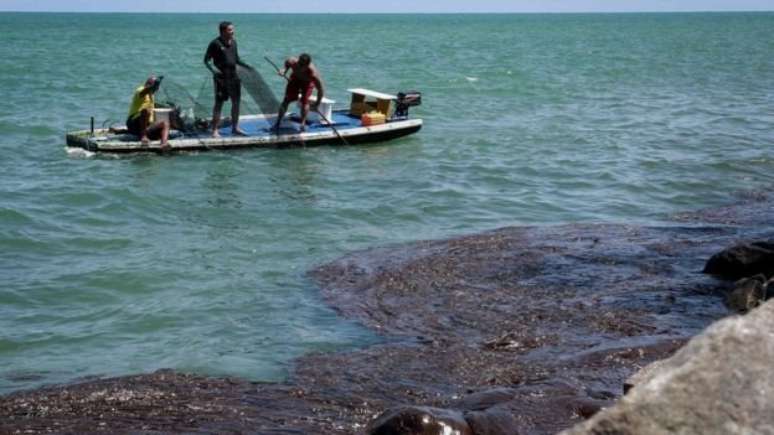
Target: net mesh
{"x": 191, "y": 112}
{"x": 259, "y": 91}
{"x": 194, "y": 113}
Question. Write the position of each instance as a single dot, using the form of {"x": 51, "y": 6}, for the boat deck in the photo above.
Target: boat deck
{"x": 256, "y": 126}
{"x": 346, "y": 129}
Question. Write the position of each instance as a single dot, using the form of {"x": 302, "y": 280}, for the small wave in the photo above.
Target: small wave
{"x": 23, "y": 376}
{"x": 471, "y": 79}
{"x": 79, "y": 153}
{"x": 10, "y": 216}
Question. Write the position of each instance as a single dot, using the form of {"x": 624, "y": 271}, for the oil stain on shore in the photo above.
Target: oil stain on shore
{"x": 521, "y": 330}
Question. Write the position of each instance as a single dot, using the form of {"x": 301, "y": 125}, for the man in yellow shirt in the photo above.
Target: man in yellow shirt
{"x": 140, "y": 120}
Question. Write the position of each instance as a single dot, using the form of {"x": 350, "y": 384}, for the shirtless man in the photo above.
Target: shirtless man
{"x": 301, "y": 83}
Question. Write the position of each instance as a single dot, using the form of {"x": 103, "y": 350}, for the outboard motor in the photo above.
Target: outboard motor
{"x": 405, "y": 100}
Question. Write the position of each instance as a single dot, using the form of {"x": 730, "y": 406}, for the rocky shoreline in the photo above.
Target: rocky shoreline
{"x": 517, "y": 330}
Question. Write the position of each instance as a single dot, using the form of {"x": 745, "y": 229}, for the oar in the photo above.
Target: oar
{"x": 276, "y": 68}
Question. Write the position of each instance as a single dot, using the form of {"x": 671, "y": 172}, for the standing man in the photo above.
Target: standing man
{"x": 140, "y": 121}
{"x": 301, "y": 83}
{"x": 224, "y": 54}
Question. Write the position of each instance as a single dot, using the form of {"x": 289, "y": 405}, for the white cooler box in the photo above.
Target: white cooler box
{"x": 326, "y": 108}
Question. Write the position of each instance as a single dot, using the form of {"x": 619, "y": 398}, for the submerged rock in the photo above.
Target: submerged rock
{"x": 721, "y": 382}
{"x": 747, "y": 294}
{"x": 494, "y": 421}
{"x": 487, "y": 399}
{"x": 743, "y": 260}
{"x": 415, "y": 420}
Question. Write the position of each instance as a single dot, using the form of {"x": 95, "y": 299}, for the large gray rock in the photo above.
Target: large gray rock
{"x": 721, "y": 382}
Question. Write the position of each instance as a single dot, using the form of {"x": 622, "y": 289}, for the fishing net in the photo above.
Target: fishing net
{"x": 262, "y": 99}
{"x": 260, "y": 92}
{"x": 194, "y": 114}
{"x": 191, "y": 113}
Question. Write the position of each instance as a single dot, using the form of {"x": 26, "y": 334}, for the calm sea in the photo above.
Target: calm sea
{"x": 197, "y": 262}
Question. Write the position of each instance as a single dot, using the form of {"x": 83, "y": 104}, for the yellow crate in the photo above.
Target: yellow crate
{"x": 373, "y": 118}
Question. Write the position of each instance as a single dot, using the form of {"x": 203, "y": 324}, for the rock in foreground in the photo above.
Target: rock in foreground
{"x": 721, "y": 382}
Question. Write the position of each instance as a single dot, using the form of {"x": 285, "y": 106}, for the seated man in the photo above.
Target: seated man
{"x": 301, "y": 83}
{"x": 141, "y": 117}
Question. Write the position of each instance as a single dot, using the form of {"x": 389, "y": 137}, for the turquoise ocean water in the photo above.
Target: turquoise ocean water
{"x": 197, "y": 262}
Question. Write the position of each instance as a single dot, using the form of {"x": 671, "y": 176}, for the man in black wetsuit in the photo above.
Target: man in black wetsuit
{"x": 224, "y": 54}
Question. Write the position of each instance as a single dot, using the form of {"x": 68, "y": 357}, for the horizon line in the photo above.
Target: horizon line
{"x": 395, "y": 13}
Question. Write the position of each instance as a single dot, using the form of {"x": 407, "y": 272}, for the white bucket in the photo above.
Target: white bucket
{"x": 161, "y": 114}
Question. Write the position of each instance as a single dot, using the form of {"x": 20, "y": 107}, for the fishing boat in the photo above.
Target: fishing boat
{"x": 371, "y": 117}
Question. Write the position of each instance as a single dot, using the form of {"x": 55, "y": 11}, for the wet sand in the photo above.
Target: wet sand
{"x": 529, "y": 328}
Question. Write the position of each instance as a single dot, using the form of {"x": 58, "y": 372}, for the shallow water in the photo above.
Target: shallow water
{"x": 197, "y": 262}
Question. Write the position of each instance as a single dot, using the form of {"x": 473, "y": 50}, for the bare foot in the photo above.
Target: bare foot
{"x": 165, "y": 146}
{"x": 238, "y": 132}
{"x": 144, "y": 140}
{"x": 215, "y": 133}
